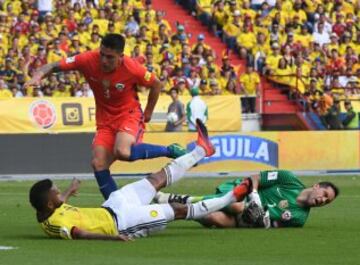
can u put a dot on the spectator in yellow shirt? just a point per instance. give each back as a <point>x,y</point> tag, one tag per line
<point>272,60</point>
<point>249,86</point>
<point>84,35</point>
<point>5,93</point>
<point>245,41</point>
<point>203,88</point>
<point>232,29</point>
<point>219,17</point>
<point>56,54</point>
<point>61,91</point>
<point>94,42</point>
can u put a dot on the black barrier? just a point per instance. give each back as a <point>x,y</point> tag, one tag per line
<point>45,153</point>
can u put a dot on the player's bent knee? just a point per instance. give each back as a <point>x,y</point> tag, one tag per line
<point>99,164</point>
<point>158,180</point>
<point>122,153</point>
<point>180,210</point>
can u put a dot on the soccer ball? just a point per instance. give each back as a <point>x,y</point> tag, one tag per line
<point>172,117</point>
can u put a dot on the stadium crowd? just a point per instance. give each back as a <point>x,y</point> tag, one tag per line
<point>311,46</point>
<point>33,33</point>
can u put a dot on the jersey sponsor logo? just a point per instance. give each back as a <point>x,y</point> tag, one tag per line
<point>119,87</point>
<point>43,114</point>
<point>286,216</point>
<point>242,147</point>
<point>272,175</point>
<point>154,213</point>
<point>283,204</point>
<point>70,60</point>
<point>147,76</point>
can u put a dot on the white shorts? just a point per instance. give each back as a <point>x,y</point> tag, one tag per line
<point>135,217</point>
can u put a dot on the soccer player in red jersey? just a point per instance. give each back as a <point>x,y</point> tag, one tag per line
<point>113,77</point>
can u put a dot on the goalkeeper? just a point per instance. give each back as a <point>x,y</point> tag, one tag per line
<point>278,199</point>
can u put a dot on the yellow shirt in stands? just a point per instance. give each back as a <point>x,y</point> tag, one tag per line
<point>342,49</point>
<point>5,93</point>
<point>249,82</point>
<point>16,6</point>
<point>304,40</point>
<point>138,4</point>
<point>61,94</point>
<point>205,5</point>
<point>84,37</point>
<point>66,217</point>
<point>231,29</point>
<point>93,45</point>
<point>272,61</point>
<point>55,55</point>
<point>220,17</point>
<point>282,76</point>
<point>103,25</point>
<point>246,40</point>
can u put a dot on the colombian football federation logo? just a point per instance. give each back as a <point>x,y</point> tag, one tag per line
<point>43,114</point>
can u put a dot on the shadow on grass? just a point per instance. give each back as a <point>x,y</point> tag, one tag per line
<point>27,237</point>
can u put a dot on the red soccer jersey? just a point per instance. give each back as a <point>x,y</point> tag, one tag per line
<point>115,92</point>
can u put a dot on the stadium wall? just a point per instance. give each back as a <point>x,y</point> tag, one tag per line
<point>235,152</point>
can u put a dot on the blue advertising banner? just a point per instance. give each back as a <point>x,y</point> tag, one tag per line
<point>242,147</point>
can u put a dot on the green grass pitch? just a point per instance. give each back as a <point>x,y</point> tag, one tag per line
<point>331,235</point>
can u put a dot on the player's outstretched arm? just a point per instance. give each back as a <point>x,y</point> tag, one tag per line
<point>152,99</point>
<point>42,72</point>
<point>71,190</point>
<point>78,233</point>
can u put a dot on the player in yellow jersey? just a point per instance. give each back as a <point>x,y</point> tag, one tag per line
<point>127,213</point>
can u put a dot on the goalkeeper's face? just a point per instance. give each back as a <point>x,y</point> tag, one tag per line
<point>320,196</point>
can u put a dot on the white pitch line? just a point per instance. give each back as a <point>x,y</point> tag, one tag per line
<point>7,248</point>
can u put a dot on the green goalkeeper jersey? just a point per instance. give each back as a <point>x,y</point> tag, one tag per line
<point>278,191</point>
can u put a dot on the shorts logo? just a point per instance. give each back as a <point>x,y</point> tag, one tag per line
<point>119,87</point>
<point>147,76</point>
<point>154,213</point>
<point>70,60</point>
<point>283,204</point>
<point>286,216</point>
<point>72,114</point>
<point>43,114</point>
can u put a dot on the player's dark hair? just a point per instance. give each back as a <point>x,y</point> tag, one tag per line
<point>326,184</point>
<point>114,41</point>
<point>39,194</point>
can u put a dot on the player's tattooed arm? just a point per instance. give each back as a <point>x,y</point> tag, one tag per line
<point>42,72</point>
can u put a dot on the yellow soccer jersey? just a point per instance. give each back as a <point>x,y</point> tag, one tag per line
<point>66,217</point>
<point>249,82</point>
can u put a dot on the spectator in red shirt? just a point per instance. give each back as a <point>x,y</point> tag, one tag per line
<point>336,62</point>
<point>114,78</point>
<point>339,26</point>
<point>21,26</point>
